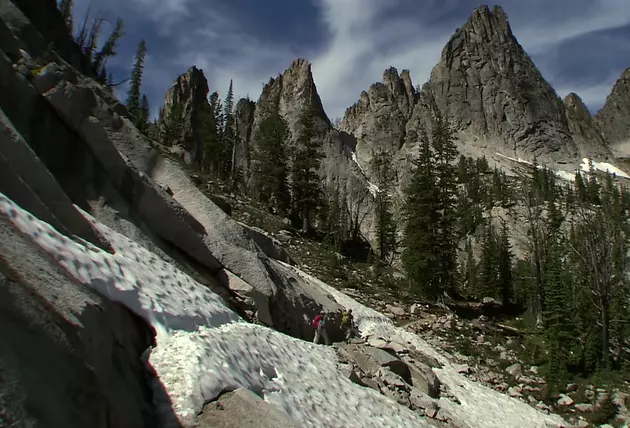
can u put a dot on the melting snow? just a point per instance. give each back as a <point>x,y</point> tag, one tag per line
<point>203,347</point>
<point>570,176</point>
<point>604,167</point>
<point>373,188</point>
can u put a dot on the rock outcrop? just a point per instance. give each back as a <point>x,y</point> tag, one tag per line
<point>489,89</point>
<point>190,93</point>
<point>585,132</point>
<point>614,117</point>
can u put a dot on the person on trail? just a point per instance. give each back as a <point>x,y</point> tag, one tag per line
<point>319,322</point>
<point>347,324</point>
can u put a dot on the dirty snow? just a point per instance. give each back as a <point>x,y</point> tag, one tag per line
<point>481,407</point>
<point>203,347</point>
<point>604,167</point>
<point>373,188</point>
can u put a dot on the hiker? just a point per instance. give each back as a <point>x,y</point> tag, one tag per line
<point>347,324</point>
<point>319,322</point>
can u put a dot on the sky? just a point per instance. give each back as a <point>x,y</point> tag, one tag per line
<point>580,46</point>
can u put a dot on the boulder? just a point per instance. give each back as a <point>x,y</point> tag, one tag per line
<point>270,246</point>
<point>243,409</point>
<point>564,400</point>
<point>370,360</point>
<point>254,300</point>
<point>515,370</point>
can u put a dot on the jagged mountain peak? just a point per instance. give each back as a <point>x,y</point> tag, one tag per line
<point>614,117</point>
<point>574,102</point>
<point>493,21</point>
<point>489,88</point>
<point>292,92</point>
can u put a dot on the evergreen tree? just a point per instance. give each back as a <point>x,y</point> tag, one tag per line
<point>469,273</point>
<point>172,127</point>
<point>108,49</point>
<point>419,256</point>
<point>228,135</point>
<point>580,188</point>
<point>135,82</point>
<point>488,265</point>
<point>270,170</point>
<point>306,196</point>
<point>445,152</point>
<point>209,135</point>
<point>142,122</point>
<point>504,266</point>
<point>386,230</point>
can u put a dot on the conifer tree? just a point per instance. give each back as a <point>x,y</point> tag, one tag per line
<point>488,265</point>
<point>108,49</point>
<point>419,256</point>
<point>229,134</point>
<point>504,266</point>
<point>135,83</point>
<point>211,141</point>
<point>386,230</point>
<point>172,124</point>
<point>305,182</point>
<point>446,153</point>
<point>142,122</point>
<point>270,170</point>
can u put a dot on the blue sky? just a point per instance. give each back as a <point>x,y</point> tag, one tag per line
<point>579,45</point>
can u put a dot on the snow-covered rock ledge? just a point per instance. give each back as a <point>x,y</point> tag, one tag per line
<point>204,348</point>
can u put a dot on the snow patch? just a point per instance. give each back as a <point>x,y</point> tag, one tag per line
<point>373,188</point>
<point>604,167</point>
<point>203,347</point>
<point>481,407</point>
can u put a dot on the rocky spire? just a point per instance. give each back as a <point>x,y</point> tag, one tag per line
<point>614,117</point>
<point>488,86</point>
<point>190,91</point>
<point>291,93</point>
<point>585,133</point>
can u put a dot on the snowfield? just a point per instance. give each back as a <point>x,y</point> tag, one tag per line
<point>570,176</point>
<point>203,347</point>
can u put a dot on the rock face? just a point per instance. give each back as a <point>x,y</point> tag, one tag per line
<point>69,357</point>
<point>68,144</point>
<point>291,94</point>
<point>614,117</point>
<point>244,117</point>
<point>585,132</point>
<point>488,87</point>
<point>190,91</point>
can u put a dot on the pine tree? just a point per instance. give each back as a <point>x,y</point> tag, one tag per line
<point>446,153</point>
<point>270,170</point>
<point>172,124</point>
<point>580,188</point>
<point>142,122</point>
<point>65,6</point>
<point>228,135</point>
<point>504,266</point>
<point>108,49</point>
<point>209,135</point>
<point>469,273</point>
<point>386,230</point>
<point>488,265</point>
<point>305,181</point>
<point>135,82</point>
<point>421,211</point>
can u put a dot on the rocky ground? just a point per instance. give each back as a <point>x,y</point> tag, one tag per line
<point>487,351</point>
